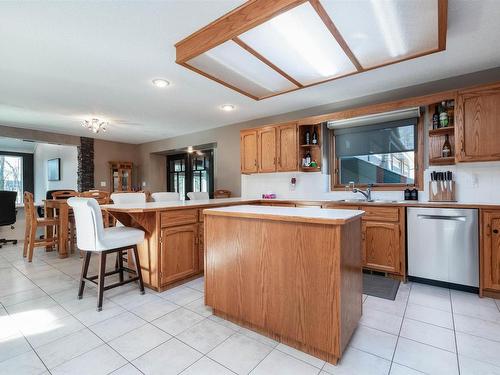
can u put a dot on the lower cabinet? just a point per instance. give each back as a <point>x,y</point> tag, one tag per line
<point>381,246</point>
<point>201,248</point>
<point>179,253</point>
<point>490,250</point>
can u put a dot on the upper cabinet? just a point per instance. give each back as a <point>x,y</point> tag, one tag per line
<point>269,149</point>
<point>266,141</point>
<point>477,121</point>
<point>287,148</point>
<point>248,151</point>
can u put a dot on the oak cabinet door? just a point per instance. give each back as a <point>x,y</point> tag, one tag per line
<point>266,142</point>
<point>201,247</point>
<point>491,250</point>
<point>179,253</point>
<point>477,121</point>
<point>287,148</point>
<point>381,246</point>
<point>248,151</point>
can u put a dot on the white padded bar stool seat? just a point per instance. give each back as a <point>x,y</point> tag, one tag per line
<point>198,196</point>
<point>165,196</point>
<point>120,237</point>
<point>124,198</point>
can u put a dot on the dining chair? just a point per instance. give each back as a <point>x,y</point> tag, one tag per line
<point>165,196</point>
<point>196,196</point>
<point>102,197</point>
<point>33,222</point>
<point>221,193</point>
<point>92,237</point>
<point>65,194</point>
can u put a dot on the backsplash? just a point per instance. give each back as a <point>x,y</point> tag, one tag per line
<point>476,183</point>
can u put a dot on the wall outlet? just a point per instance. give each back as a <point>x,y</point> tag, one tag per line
<point>103,183</point>
<point>143,183</point>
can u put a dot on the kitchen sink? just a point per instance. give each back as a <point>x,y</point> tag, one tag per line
<point>365,201</point>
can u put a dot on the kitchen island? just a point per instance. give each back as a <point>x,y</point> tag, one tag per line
<point>293,274</point>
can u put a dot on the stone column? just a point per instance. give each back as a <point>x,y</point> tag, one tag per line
<point>86,164</point>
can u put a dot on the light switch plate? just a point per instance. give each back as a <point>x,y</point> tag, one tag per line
<point>103,183</point>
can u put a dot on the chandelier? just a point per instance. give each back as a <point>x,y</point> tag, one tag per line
<point>95,125</point>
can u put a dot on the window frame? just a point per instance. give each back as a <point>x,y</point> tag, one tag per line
<point>335,184</point>
<point>28,171</point>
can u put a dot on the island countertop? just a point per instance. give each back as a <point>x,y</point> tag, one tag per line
<point>295,214</point>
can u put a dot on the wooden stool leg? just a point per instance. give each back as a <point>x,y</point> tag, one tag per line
<point>85,270</point>
<point>100,283</point>
<point>72,238</point>
<point>27,232</point>
<point>31,245</point>
<point>119,256</point>
<point>138,268</point>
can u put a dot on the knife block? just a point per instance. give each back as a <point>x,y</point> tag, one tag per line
<point>442,191</point>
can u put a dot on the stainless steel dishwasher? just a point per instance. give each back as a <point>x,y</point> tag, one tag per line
<point>443,245</point>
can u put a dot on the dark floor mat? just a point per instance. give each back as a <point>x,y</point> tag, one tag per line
<point>380,286</point>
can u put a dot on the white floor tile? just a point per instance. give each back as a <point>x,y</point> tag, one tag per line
<point>205,335</point>
<point>388,306</point>
<point>397,369</point>
<point>199,307</point>
<point>437,298</point>
<point>183,296</point>
<point>382,321</point>
<point>139,341</point>
<point>99,361</point>
<point>169,358</point>
<point>153,310</point>
<point>425,358</point>
<point>374,341</point>
<point>25,364</point>
<point>482,311</point>
<point>357,362</point>
<point>177,321</point>
<point>206,366</point>
<point>240,353</point>
<point>469,366</point>
<point>27,295</point>
<point>316,362</point>
<point>429,334</point>
<point>128,369</point>
<point>478,327</point>
<point>478,348</point>
<point>92,316</point>
<point>429,315</point>
<point>39,335</point>
<point>13,346</point>
<point>62,350</point>
<point>258,337</point>
<point>116,326</point>
<point>278,362</point>
<point>224,322</point>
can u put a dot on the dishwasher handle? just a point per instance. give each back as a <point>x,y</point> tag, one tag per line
<point>442,217</point>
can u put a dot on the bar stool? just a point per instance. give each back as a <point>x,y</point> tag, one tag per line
<point>196,196</point>
<point>165,196</point>
<point>32,224</point>
<point>91,236</point>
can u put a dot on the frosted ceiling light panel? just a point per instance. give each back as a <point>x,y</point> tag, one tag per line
<point>232,64</point>
<point>299,43</point>
<point>382,31</point>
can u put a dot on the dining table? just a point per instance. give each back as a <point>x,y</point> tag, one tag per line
<point>62,208</point>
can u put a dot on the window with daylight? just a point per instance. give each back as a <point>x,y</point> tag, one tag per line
<point>382,154</point>
<point>11,175</point>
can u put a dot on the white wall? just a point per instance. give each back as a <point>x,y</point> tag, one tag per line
<point>69,167</point>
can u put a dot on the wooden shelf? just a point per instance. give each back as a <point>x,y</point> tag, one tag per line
<point>311,145</point>
<point>441,131</point>
<point>310,169</point>
<point>442,161</point>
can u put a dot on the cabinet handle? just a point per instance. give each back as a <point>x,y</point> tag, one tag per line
<point>495,231</point>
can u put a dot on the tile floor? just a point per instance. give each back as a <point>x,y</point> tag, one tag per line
<point>44,329</point>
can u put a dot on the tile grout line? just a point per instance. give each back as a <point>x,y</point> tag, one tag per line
<point>400,328</point>
<point>455,334</point>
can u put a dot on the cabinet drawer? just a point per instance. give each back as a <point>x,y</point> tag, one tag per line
<point>179,217</point>
<point>380,213</point>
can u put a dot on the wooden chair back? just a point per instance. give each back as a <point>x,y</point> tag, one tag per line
<point>29,208</point>
<point>64,194</point>
<point>102,197</point>
<point>222,193</point>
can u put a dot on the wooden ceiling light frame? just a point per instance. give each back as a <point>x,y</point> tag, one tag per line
<point>255,12</point>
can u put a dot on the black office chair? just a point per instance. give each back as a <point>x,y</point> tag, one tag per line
<point>7,212</point>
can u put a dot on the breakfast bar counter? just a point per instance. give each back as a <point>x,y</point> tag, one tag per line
<point>293,274</point>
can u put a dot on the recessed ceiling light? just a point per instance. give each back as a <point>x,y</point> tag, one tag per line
<point>161,83</point>
<point>227,107</point>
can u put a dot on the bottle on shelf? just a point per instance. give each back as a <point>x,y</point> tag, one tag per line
<point>446,151</point>
<point>315,137</point>
<point>307,159</point>
<point>308,137</point>
<point>443,115</point>
<point>450,105</point>
<point>435,118</point>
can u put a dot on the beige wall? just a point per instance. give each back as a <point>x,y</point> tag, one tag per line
<point>105,151</point>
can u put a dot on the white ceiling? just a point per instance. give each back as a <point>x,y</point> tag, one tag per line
<point>62,62</point>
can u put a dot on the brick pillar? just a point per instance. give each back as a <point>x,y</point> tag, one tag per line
<point>86,164</point>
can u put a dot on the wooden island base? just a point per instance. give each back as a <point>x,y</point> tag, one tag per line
<point>297,280</point>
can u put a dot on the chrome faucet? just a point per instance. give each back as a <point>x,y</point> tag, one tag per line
<point>367,194</point>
